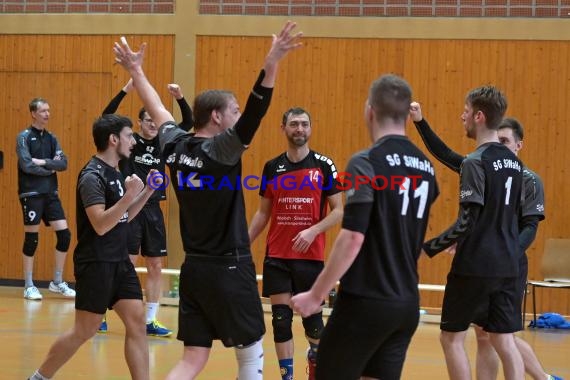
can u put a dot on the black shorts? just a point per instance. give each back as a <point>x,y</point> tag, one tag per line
<point>490,302</point>
<point>289,275</point>
<point>366,337</point>
<point>219,300</point>
<point>46,207</point>
<point>147,232</point>
<point>99,285</point>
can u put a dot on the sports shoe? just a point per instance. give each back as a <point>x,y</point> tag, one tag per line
<point>311,365</point>
<point>32,293</point>
<point>154,328</point>
<point>62,288</point>
<point>552,377</point>
<point>103,326</point>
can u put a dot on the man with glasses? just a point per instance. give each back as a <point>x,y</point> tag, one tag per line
<point>147,232</point>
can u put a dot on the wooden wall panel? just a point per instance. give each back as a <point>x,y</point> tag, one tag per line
<point>330,77</point>
<point>78,77</point>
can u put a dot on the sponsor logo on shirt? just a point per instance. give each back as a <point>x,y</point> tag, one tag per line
<point>147,159</point>
<point>465,193</point>
<point>193,162</point>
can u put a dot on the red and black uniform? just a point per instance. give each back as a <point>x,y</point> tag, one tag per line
<point>299,192</point>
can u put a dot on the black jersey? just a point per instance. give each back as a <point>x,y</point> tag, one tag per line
<point>402,189</point>
<point>144,157</point>
<point>492,177</point>
<point>533,202</point>
<point>298,193</point>
<point>206,177</point>
<point>99,183</point>
<point>34,179</point>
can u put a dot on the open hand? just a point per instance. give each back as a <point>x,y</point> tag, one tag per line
<point>284,42</point>
<point>303,240</point>
<point>126,57</point>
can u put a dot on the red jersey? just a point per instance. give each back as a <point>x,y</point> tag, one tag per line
<point>298,192</point>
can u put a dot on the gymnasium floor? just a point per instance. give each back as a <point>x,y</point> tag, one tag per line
<point>29,328</point>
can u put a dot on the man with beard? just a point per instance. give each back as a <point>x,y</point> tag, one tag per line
<point>105,277</point>
<point>219,299</point>
<point>147,232</point>
<point>511,135</point>
<point>482,285</point>
<point>375,253</point>
<point>296,188</point>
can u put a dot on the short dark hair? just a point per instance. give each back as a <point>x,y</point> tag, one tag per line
<point>142,111</point>
<point>294,111</point>
<point>514,125</point>
<point>489,100</point>
<point>107,125</point>
<point>390,97</point>
<point>208,101</point>
<point>35,103</point>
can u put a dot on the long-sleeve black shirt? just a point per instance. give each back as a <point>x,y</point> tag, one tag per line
<point>187,119</point>
<point>533,205</point>
<point>34,179</point>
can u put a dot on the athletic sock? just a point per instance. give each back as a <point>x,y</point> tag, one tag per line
<point>57,277</point>
<point>151,311</point>
<point>313,348</point>
<point>38,376</point>
<point>28,279</point>
<point>286,368</point>
<point>250,361</point>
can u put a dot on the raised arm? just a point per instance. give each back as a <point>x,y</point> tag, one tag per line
<point>435,145</point>
<point>132,62</point>
<point>259,98</point>
<point>187,122</point>
<point>116,101</point>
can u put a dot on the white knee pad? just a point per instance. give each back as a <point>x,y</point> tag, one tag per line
<point>250,361</point>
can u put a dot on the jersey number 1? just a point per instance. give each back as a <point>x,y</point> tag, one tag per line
<point>420,191</point>
<point>508,185</point>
